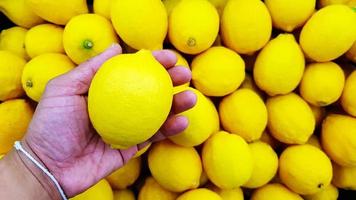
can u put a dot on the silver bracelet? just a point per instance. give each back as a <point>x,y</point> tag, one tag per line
<point>19,147</point>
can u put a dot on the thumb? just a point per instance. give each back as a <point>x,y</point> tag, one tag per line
<point>77,81</point>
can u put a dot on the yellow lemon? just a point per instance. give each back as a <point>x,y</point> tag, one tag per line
<point>319,114</point>
<point>219,5</point>
<point>349,95</point>
<point>329,33</point>
<point>101,190</point>
<point>244,113</point>
<point>124,195</point>
<point>246,26</point>
<point>288,15</point>
<point>274,191</point>
<point>175,168</point>
<point>218,71</point>
<point>351,53</point>
<point>15,116</point>
<point>126,175</point>
<point>290,119</point>
<point>322,83</point>
<point>344,177</point>
<point>265,164</point>
<point>193,26</point>
<point>227,160</point>
<point>323,3</point>
<point>314,140</point>
<point>279,66</point>
<point>128,90</point>
<point>203,121</point>
<point>40,70</point>
<point>338,138</point>
<point>82,40</point>
<point>36,44</point>
<point>201,193</point>
<point>169,5</point>
<point>145,25</point>
<point>305,169</point>
<point>329,193</point>
<point>20,13</point>
<point>103,8</point>
<point>11,69</point>
<point>58,12</point>
<point>13,39</point>
<point>229,194</point>
<point>151,190</point>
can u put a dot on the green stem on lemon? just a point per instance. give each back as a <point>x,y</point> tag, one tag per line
<point>354,9</point>
<point>88,44</point>
<point>29,84</point>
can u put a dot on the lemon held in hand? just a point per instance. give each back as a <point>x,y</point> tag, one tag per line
<point>129,99</point>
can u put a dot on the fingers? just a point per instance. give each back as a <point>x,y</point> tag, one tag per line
<point>180,75</point>
<point>183,101</point>
<point>78,80</point>
<point>173,125</point>
<point>166,57</point>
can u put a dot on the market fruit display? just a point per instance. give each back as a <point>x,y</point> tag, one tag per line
<point>274,81</point>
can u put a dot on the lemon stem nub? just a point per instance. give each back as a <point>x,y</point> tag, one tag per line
<point>88,44</point>
<point>354,9</point>
<point>29,83</point>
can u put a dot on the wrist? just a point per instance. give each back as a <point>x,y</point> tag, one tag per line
<point>24,179</point>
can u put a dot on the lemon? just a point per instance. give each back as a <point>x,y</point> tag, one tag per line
<point>249,83</point>
<point>219,5</point>
<point>151,190</point>
<point>13,39</point>
<point>265,164</point>
<point>324,3</point>
<point>128,90</point>
<point>338,139</point>
<point>15,116</point>
<point>246,26</point>
<point>203,122</point>
<point>175,168</point>
<point>344,177</point>
<point>322,83</point>
<point>40,70</point>
<point>82,40</point>
<point>182,62</point>
<point>101,190</point>
<point>329,193</point>
<point>218,71</point>
<point>124,195</point>
<point>351,53</point>
<point>314,140</point>
<point>279,66</point>
<point>58,12</point>
<point>145,25</point>
<point>274,191</point>
<point>329,33</point>
<point>288,15</point>
<point>201,193</point>
<point>103,8</point>
<point>290,119</point>
<point>193,26</point>
<point>36,44</point>
<point>169,5</point>
<point>305,169</point>
<point>319,114</point>
<point>244,113</point>
<point>349,95</point>
<point>126,175</point>
<point>229,194</point>
<point>227,160</point>
<point>11,68</point>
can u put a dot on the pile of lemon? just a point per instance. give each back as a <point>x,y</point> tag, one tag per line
<point>275,82</point>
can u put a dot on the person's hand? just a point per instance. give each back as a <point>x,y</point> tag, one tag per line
<point>63,138</point>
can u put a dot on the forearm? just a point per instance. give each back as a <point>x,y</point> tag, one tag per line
<point>20,179</point>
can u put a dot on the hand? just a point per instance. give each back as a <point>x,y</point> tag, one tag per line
<point>63,138</point>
